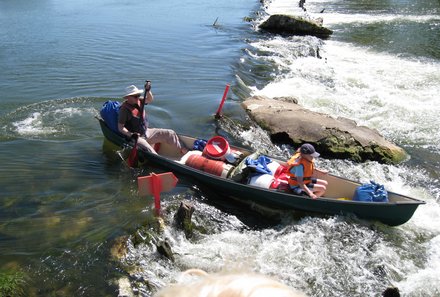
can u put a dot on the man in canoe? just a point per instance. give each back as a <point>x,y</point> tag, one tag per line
<point>301,169</point>
<point>133,121</point>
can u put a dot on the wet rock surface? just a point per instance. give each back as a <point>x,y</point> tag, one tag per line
<point>182,218</point>
<point>339,138</point>
<point>295,25</point>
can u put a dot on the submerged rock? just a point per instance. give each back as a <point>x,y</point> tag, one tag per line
<point>164,248</point>
<point>339,138</point>
<point>119,248</point>
<point>183,218</point>
<point>125,289</point>
<point>391,292</point>
<point>287,24</point>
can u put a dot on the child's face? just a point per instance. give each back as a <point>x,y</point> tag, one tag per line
<point>308,157</point>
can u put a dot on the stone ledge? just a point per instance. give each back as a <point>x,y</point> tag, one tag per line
<point>339,138</point>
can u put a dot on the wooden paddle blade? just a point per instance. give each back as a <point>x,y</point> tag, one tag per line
<point>163,182</point>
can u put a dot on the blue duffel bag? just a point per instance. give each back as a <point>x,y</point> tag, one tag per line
<point>372,192</point>
<point>109,113</point>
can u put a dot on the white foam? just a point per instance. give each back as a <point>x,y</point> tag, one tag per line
<point>68,112</point>
<point>46,121</point>
<point>32,125</point>
<point>425,281</point>
<point>368,87</point>
<point>284,7</point>
<point>338,18</point>
<point>314,7</point>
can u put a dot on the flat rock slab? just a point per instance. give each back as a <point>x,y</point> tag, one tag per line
<point>339,138</point>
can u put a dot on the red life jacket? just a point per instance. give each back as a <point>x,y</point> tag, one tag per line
<point>136,123</point>
<point>308,166</point>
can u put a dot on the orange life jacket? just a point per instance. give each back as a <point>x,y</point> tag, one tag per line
<point>308,166</point>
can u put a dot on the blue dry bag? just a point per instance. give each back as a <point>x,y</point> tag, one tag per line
<point>259,165</point>
<point>372,192</point>
<point>109,113</point>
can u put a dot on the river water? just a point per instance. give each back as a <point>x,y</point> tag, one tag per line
<point>65,195</point>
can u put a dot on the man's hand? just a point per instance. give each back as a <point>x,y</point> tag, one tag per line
<point>147,86</point>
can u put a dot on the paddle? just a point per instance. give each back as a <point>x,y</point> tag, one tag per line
<point>147,88</point>
<point>133,157</point>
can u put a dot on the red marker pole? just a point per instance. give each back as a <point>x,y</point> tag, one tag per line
<point>156,187</point>
<point>219,110</point>
<point>154,184</point>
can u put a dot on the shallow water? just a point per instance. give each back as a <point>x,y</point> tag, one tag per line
<point>66,195</point>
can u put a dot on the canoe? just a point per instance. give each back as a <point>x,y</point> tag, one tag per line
<point>337,201</point>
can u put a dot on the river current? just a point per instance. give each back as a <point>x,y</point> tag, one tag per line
<point>65,195</point>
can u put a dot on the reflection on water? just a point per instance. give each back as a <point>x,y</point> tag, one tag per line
<point>67,214</point>
<point>68,198</point>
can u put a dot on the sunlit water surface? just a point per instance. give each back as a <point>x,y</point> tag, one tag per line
<point>66,195</point>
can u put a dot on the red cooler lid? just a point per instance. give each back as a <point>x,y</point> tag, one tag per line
<point>216,147</point>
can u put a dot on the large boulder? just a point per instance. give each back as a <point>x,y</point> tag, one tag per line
<point>294,25</point>
<point>341,138</point>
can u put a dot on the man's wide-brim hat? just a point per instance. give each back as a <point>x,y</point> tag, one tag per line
<point>132,90</point>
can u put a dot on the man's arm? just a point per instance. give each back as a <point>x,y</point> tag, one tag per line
<point>122,119</point>
<point>124,131</point>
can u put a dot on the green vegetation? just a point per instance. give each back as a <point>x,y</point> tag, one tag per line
<point>11,284</point>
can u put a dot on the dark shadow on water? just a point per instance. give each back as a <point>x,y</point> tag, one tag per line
<point>246,213</point>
